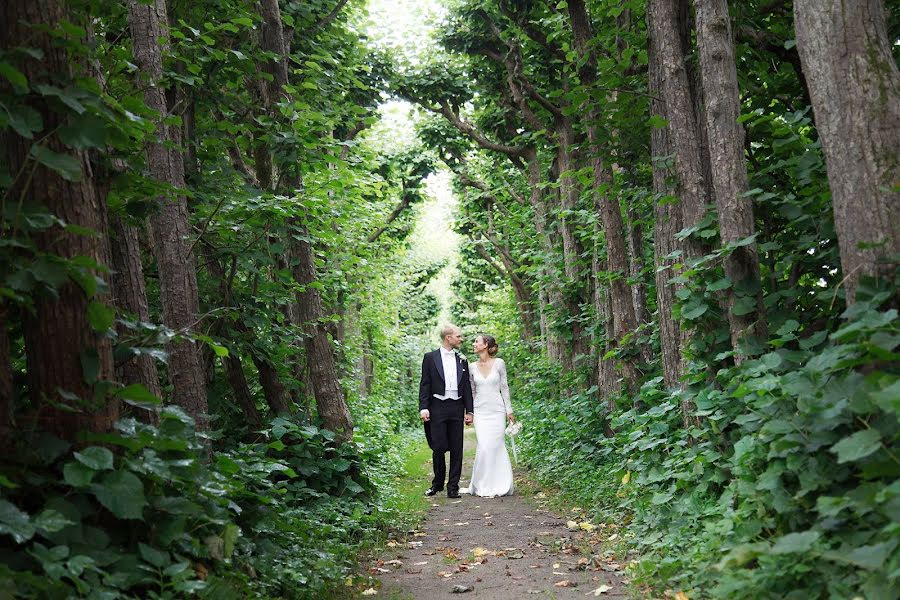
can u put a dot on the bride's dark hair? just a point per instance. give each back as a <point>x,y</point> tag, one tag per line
<point>491,343</point>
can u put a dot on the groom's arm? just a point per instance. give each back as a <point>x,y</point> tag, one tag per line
<point>425,386</point>
<point>467,394</point>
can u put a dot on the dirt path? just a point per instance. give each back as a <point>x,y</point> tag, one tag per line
<point>497,548</point>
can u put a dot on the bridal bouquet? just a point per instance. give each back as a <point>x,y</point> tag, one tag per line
<point>512,430</point>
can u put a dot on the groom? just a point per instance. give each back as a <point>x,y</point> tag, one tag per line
<point>445,403</point>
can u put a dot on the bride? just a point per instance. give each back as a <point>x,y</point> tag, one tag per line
<point>492,473</point>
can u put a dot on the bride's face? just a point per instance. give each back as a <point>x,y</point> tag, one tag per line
<point>478,345</point>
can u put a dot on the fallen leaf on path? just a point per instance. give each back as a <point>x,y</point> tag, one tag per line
<point>445,574</point>
<point>555,565</point>
<point>600,590</point>
<point>565,583</point>
<point>419,564</point>
<point>461,589</point>
<point>370,592</point>
<point>392,544</point>
<point>394,563</point>
<point>514,553</point>
<point>681,596</point>
<point>587,526</point>
<point>461,524</point>
<point>612,537</point>
<point>559,573</point>
<point>479,552</point>
<point>573,525</point>
<point>540,495</point>
<point>533,592</point>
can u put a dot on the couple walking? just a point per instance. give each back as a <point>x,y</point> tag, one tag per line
<point>453,392</point>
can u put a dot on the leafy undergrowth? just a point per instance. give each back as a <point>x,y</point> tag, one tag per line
<point>786,488</point>
<point>143,513</point>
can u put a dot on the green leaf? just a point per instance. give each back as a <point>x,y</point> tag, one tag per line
<point>721,284</point>
<point>889,398</point>
<point>15,522</point>
<point>100,316</point>
<point>657,122</point>
<point>789,326</point>
<point>694,312</point>
<point>77,475</point>
<point>794,542</point>
<point>86,131</point>
<point>122,493</point>
<point>51,521</point>
<point>96,457</point>
<point>90,365</point>
<point>857,446</point>
<point>14,76</point>
<point>65,165</point>
<point>25,121</point>
<point>744,305</point>
<point>157,558</point>
<point>137,393</point>
<point>870,557</point>
<point>230,536</point>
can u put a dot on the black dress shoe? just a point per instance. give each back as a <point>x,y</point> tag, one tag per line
<point>431,492</point>
<point>453,495</point>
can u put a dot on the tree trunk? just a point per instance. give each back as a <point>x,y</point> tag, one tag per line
<point>330,401</point>
<point>169,226</point>
<point>855,89</point>
<point>636,252</point>
<point>667,214</point>
<point>729,173</point>
<point>234,372</point>
<point>622,306</point>
<point>131,298</point>
<point>63,352</point>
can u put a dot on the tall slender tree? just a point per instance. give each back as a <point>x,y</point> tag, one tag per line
<point>746,312</point>
<point>170,225</point>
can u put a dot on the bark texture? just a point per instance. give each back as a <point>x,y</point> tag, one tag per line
<point>234,372</point>
<point>170,226</point>
<point>330,401</point>
<point>729,171</point>
<point>854,85</point>
<point>130,297</point>
<point>63,352</point>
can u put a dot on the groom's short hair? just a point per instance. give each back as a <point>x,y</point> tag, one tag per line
<point>447,330</point>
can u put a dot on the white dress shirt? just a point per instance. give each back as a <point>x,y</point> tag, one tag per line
<point>451,389</point>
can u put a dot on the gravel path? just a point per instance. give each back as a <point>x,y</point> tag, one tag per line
<point>498,548</point>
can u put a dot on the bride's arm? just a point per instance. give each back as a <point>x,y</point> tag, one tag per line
<point>504,387</point>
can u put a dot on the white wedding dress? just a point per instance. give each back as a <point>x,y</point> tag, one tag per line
<point>492,472</point>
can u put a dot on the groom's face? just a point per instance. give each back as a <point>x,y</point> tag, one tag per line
<point>454,340</point>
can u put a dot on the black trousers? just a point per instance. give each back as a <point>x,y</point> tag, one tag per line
<point>445,432</point>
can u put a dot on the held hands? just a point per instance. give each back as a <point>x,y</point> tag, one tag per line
<point>425,415</point>
<point>510,418</point>
<point>469,418</point>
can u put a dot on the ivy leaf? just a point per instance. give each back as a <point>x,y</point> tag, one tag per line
<point>859,445</point>
<point>96,457</point>
<point>870,557</point>
<point>25,121</point>
<point>137,393</point>
<point>90,365</point>
<point>15,522</point>
<point>14,76</point>
<point>66,166</point>
<point>694,312</point>
<point>794,542</point>
<point>155,557</point>
<point>51,521</point>
<point>87,131</point>
<point>77,475</point>
<point>122,493</point>
<point>100,316</point>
